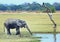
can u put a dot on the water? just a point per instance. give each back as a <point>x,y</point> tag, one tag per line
<point>48,37</point>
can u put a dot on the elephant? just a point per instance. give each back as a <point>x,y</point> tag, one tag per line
<point>17,24</point>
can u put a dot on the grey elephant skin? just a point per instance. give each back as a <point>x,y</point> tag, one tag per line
<point>16,23</point>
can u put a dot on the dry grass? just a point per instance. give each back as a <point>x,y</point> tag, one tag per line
<point>38,22</point>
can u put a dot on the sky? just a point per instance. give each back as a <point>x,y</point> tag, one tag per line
<point>17,2</point>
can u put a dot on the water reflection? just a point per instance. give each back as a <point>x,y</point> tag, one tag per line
<point>48,37</point>
<point>54,34</point>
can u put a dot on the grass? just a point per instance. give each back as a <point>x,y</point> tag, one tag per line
<point>37,23</point>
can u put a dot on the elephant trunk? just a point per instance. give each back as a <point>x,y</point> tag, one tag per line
<point>28,29</point>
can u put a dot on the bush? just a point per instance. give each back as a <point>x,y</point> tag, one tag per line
<point>53,9</point>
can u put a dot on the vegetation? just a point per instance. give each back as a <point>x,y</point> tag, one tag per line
<point>37,22</point>
<point>34,21</point>
<point>25,7</point>
<point>57,6</point>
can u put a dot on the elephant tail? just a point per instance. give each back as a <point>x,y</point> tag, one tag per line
<point>4,28</point>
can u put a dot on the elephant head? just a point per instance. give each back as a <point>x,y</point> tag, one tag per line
<point>24,24</point>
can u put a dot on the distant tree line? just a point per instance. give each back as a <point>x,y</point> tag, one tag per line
<point>57,6</point>
<point>28,7</point>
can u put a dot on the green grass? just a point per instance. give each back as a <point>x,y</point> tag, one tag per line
<point>37,23</point>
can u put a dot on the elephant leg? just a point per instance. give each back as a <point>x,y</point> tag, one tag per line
<point>17,31</point>
<point>8,32</point>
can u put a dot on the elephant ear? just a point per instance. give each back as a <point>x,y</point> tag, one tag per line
<point>18,23</point>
